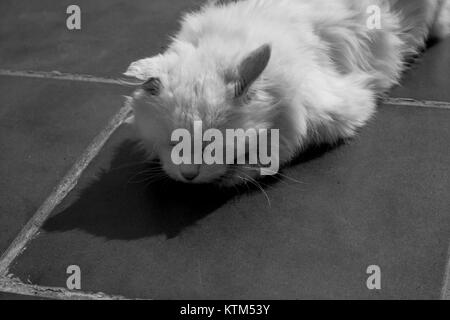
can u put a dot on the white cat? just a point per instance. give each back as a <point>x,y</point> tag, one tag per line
<point>311,68</point>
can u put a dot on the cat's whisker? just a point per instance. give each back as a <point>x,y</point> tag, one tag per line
<point>289,178</point>
<point>259,182</point>
<point>148,173</point>
<point>275,173</point>
<point>160,178</point>
<point>256,183</point>
<point>144,173</point>
<point>244,182</point>
<point>150,177</point>
<point>134,164</point>
<point>142,180</point>
<point>285,183</point>
<point>253,182</point>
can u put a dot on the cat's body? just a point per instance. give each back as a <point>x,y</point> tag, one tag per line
<point>311,68</point>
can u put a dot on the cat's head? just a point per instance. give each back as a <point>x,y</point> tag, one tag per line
<point>187,86</point>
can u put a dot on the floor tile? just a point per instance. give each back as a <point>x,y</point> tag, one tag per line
<point>429,78</point>
<point>113,33</point>
<point>380,199</point>
<point>44,127</point>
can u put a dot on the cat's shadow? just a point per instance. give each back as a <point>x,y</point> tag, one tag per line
<point>124,203</point>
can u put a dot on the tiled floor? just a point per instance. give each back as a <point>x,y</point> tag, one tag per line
<point>381,199</point>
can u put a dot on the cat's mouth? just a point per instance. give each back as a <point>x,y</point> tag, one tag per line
<point>230,176</point>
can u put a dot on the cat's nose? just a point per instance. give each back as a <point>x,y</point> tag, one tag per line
<point>190,172</point>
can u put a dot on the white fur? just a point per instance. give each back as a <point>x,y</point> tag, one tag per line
<point>322,82</point>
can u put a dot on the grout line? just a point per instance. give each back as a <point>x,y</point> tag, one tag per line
<point>445,292</point>
<point>64,187</point>
<point>15,286</point>
<point>89,78</point>
<point>416,103</point>
<point>68,76</point>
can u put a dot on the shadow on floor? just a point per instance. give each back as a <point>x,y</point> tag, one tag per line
<point>125,203</point>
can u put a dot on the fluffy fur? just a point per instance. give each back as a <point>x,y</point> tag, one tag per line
<point>325,73</point>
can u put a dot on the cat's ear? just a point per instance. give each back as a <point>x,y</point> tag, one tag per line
<point>144,69</point>
<point>147,71</point>
<point>152,86</point>
<point>251,68</point>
